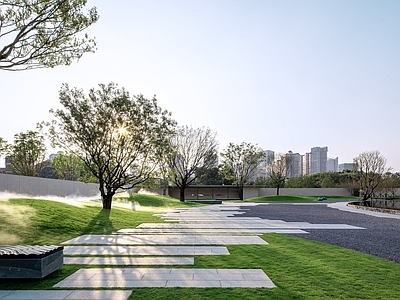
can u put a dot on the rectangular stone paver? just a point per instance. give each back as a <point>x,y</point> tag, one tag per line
<point>126,261</point>
<point>225,231</point>
<point>165,277</point>
<point>114,239</point>
<point>66,295</point>
<point>258,224</point>
<point>145,250</point>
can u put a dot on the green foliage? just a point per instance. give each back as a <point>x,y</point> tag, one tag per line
<point>239,161</point>
<point>371,167</point>
<point>265,182</point>
<point>388,186</point>
<point>70,167</point>
<point>43,33</point>
<point>27,153</point>
<point>322,180</point>
<point>119,138</point>
<point>3,146</point>
<point>209,176</point>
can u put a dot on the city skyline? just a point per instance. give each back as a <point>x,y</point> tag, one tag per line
<point>280,74</point>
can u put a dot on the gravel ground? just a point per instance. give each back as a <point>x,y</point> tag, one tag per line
<point>380,238</point>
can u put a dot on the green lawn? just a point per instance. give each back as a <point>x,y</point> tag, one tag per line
<point>301,269</point>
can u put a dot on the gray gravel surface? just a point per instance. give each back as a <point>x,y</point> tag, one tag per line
<point>381,236</point>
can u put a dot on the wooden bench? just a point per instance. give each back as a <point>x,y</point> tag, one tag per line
<point>30,261</point>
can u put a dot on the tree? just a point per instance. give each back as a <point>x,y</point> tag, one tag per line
<point>3,146</point>
<point>118,137</point>
<point>192,148</point>
<point>388,186</point>
<point>43,33</point>
<point>371,166</point>
<point>209,176</point>
<point>278,170</point>
<point>239,161</point>
<point>27,154</point>
<point>70,167</point>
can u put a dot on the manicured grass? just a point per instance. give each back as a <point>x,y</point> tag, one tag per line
<point>39,222</point>
<point>295,198</point>
<point>301,269</point>
<point>154,203</point>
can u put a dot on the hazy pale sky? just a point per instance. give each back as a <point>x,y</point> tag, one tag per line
<point>287,75</point>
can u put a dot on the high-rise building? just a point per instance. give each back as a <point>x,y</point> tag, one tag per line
<point>332,165</point>
<point>306,162</point>
<point>261,170</point>
<point>294,164</point>
<point>319,157</point>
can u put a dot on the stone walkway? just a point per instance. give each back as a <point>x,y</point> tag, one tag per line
<point>186,233</point>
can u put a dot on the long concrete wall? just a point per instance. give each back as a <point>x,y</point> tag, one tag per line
<point>306,191</point>
<point>35,186</point>
<point>252,192</point>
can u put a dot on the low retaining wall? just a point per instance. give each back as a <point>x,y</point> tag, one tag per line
<point>371,208</point>
<point>36,186</point>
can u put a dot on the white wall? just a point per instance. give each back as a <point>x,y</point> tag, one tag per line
<point>35,186</point>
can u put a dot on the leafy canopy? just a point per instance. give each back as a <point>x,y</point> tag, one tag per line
<point>43,33</point>
<point>119,138</point>
<point>27,153</point>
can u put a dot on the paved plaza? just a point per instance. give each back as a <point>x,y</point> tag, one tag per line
<point>186,233</point>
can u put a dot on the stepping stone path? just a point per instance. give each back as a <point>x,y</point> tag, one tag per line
<point>187,232</point>
<point>166,246</point>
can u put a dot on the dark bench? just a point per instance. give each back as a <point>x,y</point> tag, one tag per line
<point>30,261</point>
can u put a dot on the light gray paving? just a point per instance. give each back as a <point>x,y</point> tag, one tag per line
<point>113,239</point>
<point>343,206</point>
<point>261,224</point>
<point>165,277</point>
<point>237,231</point>
<point>65,295</point>
<point>126,261</point>
<point>116,250</point>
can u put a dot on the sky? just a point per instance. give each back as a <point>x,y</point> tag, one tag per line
<point>286,75</point>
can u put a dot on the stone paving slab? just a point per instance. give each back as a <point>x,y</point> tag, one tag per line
<point>126,261</point>
<point>165,277</point>
<point>145,250</point>
<point>114,239</point>
<point>225,231</point>
<point>262,224</point>
<point>65,295</point>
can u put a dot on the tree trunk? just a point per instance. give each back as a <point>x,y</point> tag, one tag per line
<point>277,190</point>
<point>182,194</point>
<point>107,200</point>
<point>241,193</point>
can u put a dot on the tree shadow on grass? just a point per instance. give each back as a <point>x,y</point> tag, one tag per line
<point>100,224</point>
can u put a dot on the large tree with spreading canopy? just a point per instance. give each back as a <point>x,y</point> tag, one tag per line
<point>43,33</point>
<point>191,149</point>
<point>120,138</point>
